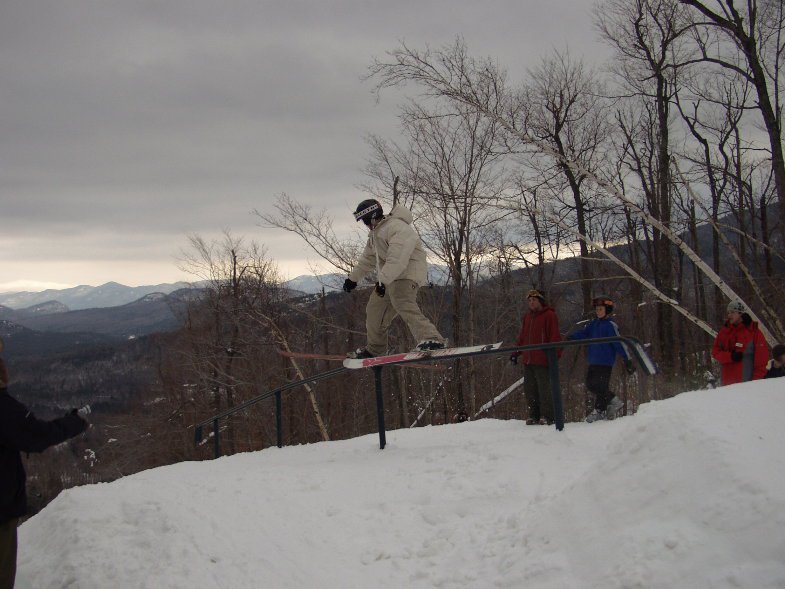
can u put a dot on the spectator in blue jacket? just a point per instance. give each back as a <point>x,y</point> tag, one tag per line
<point>601,359</point>
<point>21,431</point>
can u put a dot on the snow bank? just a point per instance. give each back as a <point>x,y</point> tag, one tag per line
<point>690,492</point>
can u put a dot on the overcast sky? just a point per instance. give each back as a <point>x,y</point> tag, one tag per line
<point>126,125</point>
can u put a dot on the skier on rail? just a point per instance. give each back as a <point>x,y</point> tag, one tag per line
<point>395,251</point>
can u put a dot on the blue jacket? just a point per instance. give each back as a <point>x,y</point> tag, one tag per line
<point>602,354</point>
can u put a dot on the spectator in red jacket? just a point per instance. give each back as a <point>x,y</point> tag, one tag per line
<point>740,347</point>
<point>540,326</point>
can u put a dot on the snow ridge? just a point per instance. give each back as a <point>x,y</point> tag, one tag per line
<point>690,492</point>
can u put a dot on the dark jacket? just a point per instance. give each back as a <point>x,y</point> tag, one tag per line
<point>775,372</point>
<point>746,338</point>
<point>601,354</point>
<point>21,431</point>
<point>538,328</point>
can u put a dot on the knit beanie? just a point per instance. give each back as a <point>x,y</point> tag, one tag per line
<point>736,307</point>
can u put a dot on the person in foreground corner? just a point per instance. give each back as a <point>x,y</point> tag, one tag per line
<point>540,325</point>
<point>601,358</point>
<point>740,347</point>
<point>395,251</point>
<point>21,431</point>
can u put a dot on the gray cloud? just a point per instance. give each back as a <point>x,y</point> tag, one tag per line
<point>124,126</point>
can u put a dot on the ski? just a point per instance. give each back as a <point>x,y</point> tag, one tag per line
<point>341,358</point>
<point>499,398</point>
<point>354,363</point>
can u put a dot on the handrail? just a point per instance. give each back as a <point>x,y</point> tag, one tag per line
<point>633,345</point>
<point>198,428</point>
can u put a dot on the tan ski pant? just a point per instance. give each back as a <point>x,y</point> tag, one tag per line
<point>400,299</point>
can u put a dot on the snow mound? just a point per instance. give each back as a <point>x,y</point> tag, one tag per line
<point>690,492</point>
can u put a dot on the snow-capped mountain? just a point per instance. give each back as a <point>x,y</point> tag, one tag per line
<point>110,294</point>
<point>113,294</point>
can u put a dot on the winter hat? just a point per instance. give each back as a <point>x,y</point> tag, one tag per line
<point>536,294</point>
<point>602,300</point>
<point>777,352</point>
<point>736,307</point>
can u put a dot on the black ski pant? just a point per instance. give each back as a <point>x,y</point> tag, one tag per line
<point>537,390</point>
<point>7,554</point>
<point>598,379</point>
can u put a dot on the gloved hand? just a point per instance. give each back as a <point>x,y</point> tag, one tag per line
<point>514,358</point>
<point>80,423</point>
<point>629,366</point>
<point>380,289</point>
<point>736,356</point>
<point>349,285</point>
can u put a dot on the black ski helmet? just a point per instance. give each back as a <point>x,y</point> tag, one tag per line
<point>602,300</point>
<point>367,210</point>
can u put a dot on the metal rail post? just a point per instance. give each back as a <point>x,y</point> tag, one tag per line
<point>278,420</point>
<point>216,438</point>
<point>377,375</point>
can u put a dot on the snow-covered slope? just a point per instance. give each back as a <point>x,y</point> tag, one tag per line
<point>690,492</point>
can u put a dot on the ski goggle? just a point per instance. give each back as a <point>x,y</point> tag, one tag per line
<point>598,302</point>
<point>365,214</point>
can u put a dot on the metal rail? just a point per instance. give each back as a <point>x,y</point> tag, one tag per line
<point>633,346</point>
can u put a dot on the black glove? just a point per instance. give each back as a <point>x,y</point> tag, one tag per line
<point>514,358</point>
<point>349,285</point>
<point>380,289</point>
<point>629,366</point>
<point>736,356</point>
<point>76,422</point>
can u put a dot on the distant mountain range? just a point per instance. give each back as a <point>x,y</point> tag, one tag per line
<point>113,294</point>
<point>110,294</point>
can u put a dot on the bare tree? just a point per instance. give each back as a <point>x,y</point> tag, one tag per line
<point>751,35</point>
<point>647,38</point>
<point>451,73</point>
<point>236,321</point>
<point>563,108</point>
<point>451,178</point>
<point>315,227</point>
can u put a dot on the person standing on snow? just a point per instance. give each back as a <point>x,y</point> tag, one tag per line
<point>740,347</point>
<point>777,365</point>
<point>601,358</point>
<point>540,325</point>
<point>395,252</point>
<point>21,431</point>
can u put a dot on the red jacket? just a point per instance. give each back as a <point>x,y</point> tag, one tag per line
<point>737,338</point>
<point>538,328</point>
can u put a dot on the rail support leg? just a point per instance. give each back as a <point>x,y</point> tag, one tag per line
<point>377,376</point>
<point>553,373</point>
<point>216,438</point>
<point>278,420</point>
